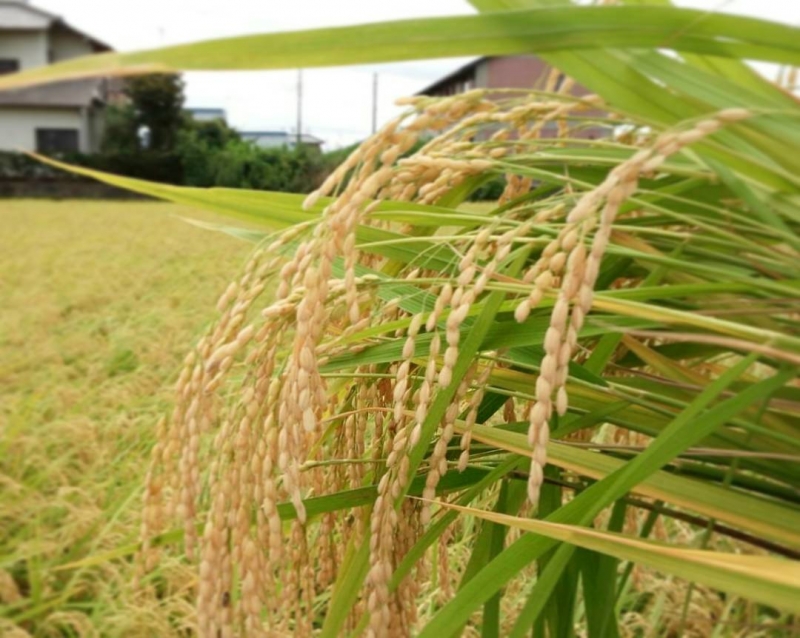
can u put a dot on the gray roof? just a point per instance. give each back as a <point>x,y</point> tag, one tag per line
<point>15,14</point>
<point>464,68</point>
<point>19,15</point>
<point>205,110</point>
<point>305,138</point>
<point>77,93</point>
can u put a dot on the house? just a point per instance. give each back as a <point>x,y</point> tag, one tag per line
<point>511,72</point>
<point>62,117</point>
<point>278,139</point>
<point>497,72</point>
<point>207,114</point>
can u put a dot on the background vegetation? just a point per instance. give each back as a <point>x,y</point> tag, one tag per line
<point>99,300</point>
<point>177,149</point>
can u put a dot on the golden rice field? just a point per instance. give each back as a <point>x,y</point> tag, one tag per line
<point>99,302</point>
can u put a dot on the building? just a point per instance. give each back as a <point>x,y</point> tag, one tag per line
<point>499,72</point>
<point>62,117</point>
<point>511,72</point>
<point>207,114</point>
<point>278,139</point>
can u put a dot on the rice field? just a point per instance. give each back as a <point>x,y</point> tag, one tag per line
<point>99,303</point>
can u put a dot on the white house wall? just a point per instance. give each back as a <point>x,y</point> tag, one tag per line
<point>29,47</point>
<point>18,126</point>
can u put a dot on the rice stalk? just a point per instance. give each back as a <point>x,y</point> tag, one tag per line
<point>257,423</point>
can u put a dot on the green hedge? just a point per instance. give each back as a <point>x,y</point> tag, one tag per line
<point>196,162</point>
<point>154,166</point>
<point>243,165</point>
<point>237,165</point>
<point>16,166</point>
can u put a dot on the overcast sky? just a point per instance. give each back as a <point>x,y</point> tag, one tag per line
<point>337,101</point>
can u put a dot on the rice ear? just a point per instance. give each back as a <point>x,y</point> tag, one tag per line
<point>281,433</point>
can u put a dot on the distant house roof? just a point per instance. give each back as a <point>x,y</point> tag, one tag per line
<point>278,138</point>
<point>207,113</point>
<point>19,15</point>
<point>469,66</point>
<point>76,93</point>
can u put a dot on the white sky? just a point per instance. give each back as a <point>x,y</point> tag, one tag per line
<point>337,103</point>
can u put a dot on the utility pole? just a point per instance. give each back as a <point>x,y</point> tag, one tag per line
<point>374,103</point>
<point>299,106</point>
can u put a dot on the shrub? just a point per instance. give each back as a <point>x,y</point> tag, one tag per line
<point>17,166</point>
<point>120,134</point>
<point>156,166</point>
<point>240,164</point>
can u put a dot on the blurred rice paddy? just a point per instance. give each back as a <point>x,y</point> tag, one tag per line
<point>98,304</point>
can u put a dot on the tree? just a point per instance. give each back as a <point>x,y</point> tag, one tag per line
<point>157,102</point>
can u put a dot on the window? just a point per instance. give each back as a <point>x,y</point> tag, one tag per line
<point>7,65</point>
<point>56,140</point>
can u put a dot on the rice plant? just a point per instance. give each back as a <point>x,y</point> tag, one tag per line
<point>417,416</point>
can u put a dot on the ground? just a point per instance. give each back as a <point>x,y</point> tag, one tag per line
<point>100,302</point>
